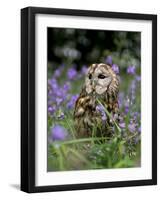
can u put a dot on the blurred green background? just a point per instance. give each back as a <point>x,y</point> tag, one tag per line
<point>92,46</point>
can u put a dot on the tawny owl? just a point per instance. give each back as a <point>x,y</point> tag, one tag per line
<point>101,85</point>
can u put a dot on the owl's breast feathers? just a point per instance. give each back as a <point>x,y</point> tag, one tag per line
<point>87,117</point>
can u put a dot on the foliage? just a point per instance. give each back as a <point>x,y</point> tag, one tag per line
<point>65,150</point>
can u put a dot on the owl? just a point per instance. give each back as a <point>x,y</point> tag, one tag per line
<point>98,97</point>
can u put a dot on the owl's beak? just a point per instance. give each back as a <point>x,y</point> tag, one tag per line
<point>93,84</point>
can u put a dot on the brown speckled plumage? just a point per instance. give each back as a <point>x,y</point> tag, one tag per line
<point>101,83</point>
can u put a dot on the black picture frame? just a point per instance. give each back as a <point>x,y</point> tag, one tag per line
<point>28,98</point>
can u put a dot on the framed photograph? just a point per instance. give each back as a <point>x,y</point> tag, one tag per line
<point>88,99</point>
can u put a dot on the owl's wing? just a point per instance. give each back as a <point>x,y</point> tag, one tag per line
<point>81,103</point>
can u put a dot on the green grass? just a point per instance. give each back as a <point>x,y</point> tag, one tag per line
<point>93,152</point>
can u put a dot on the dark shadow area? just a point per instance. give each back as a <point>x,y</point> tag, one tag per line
<point>79,46</point>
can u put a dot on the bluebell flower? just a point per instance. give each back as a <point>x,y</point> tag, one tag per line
<point>108,60</point>
<point>53,83</point>
<point>58,133</point>
<point>72,101</point>
<point>138,78</point>
<point>122,125</point>
<point>139,129</point>
<point>132,90</point>
<point>84,69</point>
<point>51,109</point>
<point>58,101</point>
<point>66,86</point>
<point>135,115</point>
<point>115,68</point>
<point>133,85</point>
<point>71,73</point>
<point>127,105</point>
<point>120,99</point>
<point>104,117</point>
<point>132,127</point>
<point>131,70</point>
<point>101,110</point>
<point>57,73</point>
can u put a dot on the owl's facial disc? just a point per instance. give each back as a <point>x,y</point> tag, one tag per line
<point>97,84</point>
<point>98,79</point>
<point>103,84</point>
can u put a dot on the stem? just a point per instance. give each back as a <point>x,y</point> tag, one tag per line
<point>79,156</point>
<point>83,140</point>
<point>109,116</point>
<point>128,138</point>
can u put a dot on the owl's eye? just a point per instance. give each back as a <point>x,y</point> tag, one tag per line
<point>90,76</point>
<point>101,76</point>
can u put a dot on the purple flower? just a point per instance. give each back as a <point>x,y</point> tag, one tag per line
<point>108,60</point>
<point>100,109</point>
<point>66,86</point>
<point>115,68</point>
<point>58,133</point>
<point>52,81</point>
<point>51,109</point>
<point>84,69</point>
<point>126,110</point>
<point>138,78</point>
<point>131,70</point>
<point>127,102</point>
<point>132,90</point>
<point>53,84</point>
<point>122,125</point>
<point>57,73</point>
<point>133,85</point>
<point>57,94</point>
<point>58,101</point>
<point>132,127</point>
<point>135,115</point>
<point>104,117</point>
<point>72,73</point>
<point>120,99</point>
<point>72,101</point>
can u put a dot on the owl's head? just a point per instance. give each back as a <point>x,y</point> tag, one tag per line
<point>101,79</point>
